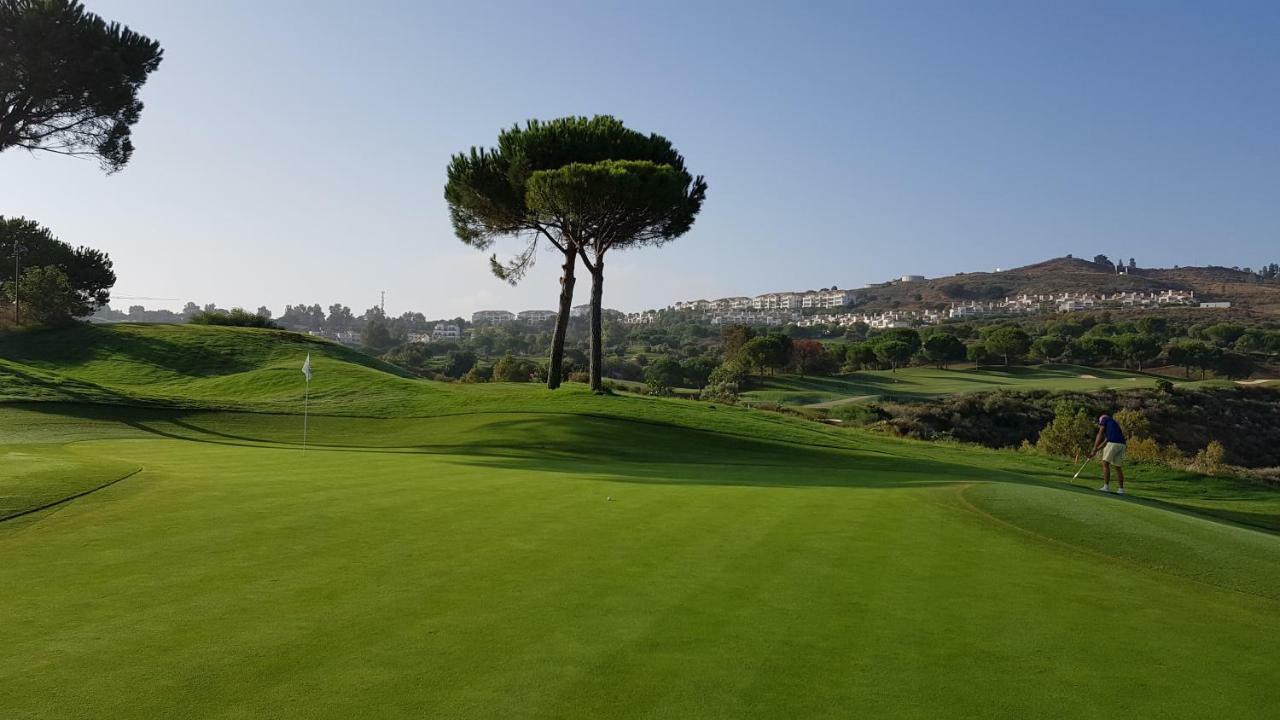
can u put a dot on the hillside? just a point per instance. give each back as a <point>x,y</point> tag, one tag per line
<point>1242,289</point>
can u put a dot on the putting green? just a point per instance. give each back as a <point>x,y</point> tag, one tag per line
<point>927,382</point>
<point>481,572</point>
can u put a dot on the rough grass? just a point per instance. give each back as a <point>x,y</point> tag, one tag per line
<point>464,561</point>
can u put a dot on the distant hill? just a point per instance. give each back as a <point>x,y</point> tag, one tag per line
<point>1244,290</point>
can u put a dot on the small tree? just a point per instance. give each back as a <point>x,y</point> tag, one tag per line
<point>1049,347</point>
<point>1007,341</point>
<point>69,81</point>
<point>943,348</point>
<point>1137,348</point>
<point>88,271</point>
<point>663,375</point>
<point>808,356</point>
<point>47,295</point>
<point>1070,433</point>
<point>859,356</point>
<point>894,352</point>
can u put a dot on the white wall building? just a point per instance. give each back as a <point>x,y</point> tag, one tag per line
<point>492,316</point>
<point>446,331</point>
<point>579,311</point>
<point>536,317</point>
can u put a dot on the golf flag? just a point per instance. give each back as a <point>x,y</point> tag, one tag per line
<point>306,367</point>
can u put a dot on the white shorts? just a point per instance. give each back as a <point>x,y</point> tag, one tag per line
<point>1113,453</point>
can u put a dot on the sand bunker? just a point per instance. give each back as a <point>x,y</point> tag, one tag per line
<point>1253,382</point>
<point>1089,377</point>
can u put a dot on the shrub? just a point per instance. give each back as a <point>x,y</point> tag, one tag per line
<point>1069,435</point>
<point>476,374</point>
<point>1164,386</point>
<point>237,317</point>
<point>1209,460</point>
<point>1134,424</point>
<point>580,377</point>
<point>725,392</point>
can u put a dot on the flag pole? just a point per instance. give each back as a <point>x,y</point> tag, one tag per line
<point>306,402</point>
<point>306,399</point>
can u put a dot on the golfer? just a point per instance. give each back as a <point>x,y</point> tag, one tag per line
<point>1109,432</point>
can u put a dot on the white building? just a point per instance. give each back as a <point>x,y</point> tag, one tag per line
<point>536,317</point>
<point>1215,304</point>
<point>579,311</point>
<point>446,331</point>
<point>911,278</point>
<point>640,318</point>
<point>492,316</point>
<point>419,337</point>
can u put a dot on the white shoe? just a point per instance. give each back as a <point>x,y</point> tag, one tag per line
<point>1105,488</point>
<point>1120,491</point>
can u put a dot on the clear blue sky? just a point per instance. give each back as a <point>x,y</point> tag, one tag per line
<point>295,151</point>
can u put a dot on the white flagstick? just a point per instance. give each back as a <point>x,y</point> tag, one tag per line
<point>306,400</point>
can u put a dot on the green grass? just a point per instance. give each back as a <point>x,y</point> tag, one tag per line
<point>449,551</point>
<point>928,382</point>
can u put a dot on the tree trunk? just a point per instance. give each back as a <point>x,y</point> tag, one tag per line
<point>597,325</point>
<point>556,365</point>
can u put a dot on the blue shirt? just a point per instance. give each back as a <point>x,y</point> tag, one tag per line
<point>1111,429</point>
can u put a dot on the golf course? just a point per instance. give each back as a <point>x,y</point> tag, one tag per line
<point>501,550</point>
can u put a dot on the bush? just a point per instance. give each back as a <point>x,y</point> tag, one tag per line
<point>237,317</point>
<point>1069,435</point>
<point>46,296</point>
<point>1147,450</point>
<point>1209,460</point>
<point>725,392</point>
<point>1134,424</point>
<point>580,377</point>
<point>476,374</point>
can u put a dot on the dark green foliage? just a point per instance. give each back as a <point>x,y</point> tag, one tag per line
<point>377,335</point>
<point>732,338</point>
<point>662,375</point>
<point>1225,333</point>
<point>574,182</point>
<point>512,369</point>
<point>238,317</point>
<point>69,81</point>
<point>1092,350</point>
<point>88,271</point>
<point>768,352</point>
<point>1007,341</point>
<point>1245,420</point>
<point>697,371</point>
<point>1049,347</point>
<point>459,362</point>
<point>46,294</point>
<point>1137,348</point>
<point>942,348</point>
<point>977,353</point>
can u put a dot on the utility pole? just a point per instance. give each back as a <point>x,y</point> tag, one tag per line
<point>17,318</point>
<point>383,304</point>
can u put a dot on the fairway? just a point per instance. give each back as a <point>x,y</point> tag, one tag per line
<point>498,551</point>
<point>472,576</point>
<point>926,382</point>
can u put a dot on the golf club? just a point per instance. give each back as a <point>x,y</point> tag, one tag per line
<point>1086,462</point>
